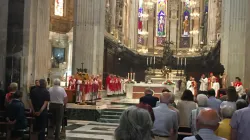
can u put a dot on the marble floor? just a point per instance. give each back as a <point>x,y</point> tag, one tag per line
<point>86,130</point>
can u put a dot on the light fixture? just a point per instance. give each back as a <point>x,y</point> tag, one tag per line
<point>193,3</point>
<point>194,14</point>
<point>144,17</point>
<point>143,33</point>
<point>194,32</point>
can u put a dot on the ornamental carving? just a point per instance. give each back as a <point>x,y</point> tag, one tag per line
<point>62,24</point>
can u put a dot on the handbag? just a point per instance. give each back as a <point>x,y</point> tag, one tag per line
<point>198,137</point>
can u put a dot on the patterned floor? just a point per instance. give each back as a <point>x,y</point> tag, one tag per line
<point>85,130</point>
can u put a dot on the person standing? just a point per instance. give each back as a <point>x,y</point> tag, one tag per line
<point>58,100</point>
<point>39,98</point>
<point>207,122</point>
<point>240,123</point>
<point>166,120</point>
<point>13,88</point>
<point>149,98</point>
<point>212,101</point>
<point>35,86</point>
<point>215,86</point>
<point>204,84</point>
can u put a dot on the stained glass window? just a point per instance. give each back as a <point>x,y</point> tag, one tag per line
<point>140,12</point>
<point>186,19</point>
<point>59,7</point>
<point>161,18</point>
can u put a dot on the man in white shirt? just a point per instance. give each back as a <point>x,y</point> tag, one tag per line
<point>204,84</point>
<point>189,83</point>
<point>58,100</point>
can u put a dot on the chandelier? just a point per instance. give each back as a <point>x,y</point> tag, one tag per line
<point>194,15</point>
<point>143,33</point>
<point>193,3</point>
<point>143,50</point>
<point>194,32</point>
<point>144,17</point>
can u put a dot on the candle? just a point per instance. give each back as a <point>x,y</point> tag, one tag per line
<point>128,75</point>
<point>147,61</point>
<point>154,59</point>
<point>185,61</point>
<point>181,61</point>
<point>177,61</point>
<point>133,76</point>
<point>150,60</point>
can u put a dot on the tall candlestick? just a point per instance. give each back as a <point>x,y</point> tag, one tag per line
<point>147,61</point>
<point>133,76</point>
<point>185,61</point>
<point>154,59</point>
<point>181,61</point>
<point>128,75</point>
<point>177,61</point>
<point>150,60</point>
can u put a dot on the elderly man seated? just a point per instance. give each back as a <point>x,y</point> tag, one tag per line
<point>166,123</point>
<point>202,103</point>
<point>224,129</point>
<point>207,122</point>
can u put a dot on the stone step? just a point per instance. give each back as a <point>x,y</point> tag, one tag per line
<point>110,116</point>
<point>104,120</point>
<point>111,113</point>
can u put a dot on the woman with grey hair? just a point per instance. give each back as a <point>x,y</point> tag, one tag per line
<point>202,103</point>
<point>224,129</point>
<point>135,124</point>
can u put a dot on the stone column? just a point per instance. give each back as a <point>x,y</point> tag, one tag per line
<point>151,29</point>
<point>113,15</point>
<point>212,11</point>
<point>3,37</point>
<point>173,22</point>
<point>235,39</point>
<point>133,29</point>
<point>36,49</point>
<point>89,35</point>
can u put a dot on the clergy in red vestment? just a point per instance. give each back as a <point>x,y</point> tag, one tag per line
<point>72,82</point>
<point>108,85</point>
<point>95,88</point>
<point>210,80</point>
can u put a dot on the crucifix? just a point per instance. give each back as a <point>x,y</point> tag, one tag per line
<point>82,65</point>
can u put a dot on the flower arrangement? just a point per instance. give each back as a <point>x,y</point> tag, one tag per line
<point>130,81</point>
<point>168,82</point>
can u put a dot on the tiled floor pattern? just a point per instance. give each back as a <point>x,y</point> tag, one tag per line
<point>85,130</point>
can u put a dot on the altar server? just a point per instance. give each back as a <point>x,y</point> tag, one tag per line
<point>215,86</point>
<point>204,84</point>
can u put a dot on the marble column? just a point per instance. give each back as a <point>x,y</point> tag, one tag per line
<point>212,12</point>
<point>151,29</point>
<point>88,41</point>
<point>174,22</point>
<point>3,37</point>
<point>113,15</point>
<point>235,39</point>
<point>36,48</point>
<point>133,29</point>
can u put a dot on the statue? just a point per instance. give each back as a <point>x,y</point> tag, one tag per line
<point>165,71</point>
<point>186,27</point>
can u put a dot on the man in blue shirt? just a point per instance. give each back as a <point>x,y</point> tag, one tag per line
<point>212,101</point>
<point>166,120</point>
<point>207,122</point>
<point>240,123</point>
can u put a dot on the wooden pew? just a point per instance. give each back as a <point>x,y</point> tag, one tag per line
<point>7,128</point>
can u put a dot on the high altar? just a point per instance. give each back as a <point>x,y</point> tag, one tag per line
<point>157,80</point>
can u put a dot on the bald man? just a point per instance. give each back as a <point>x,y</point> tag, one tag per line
<point>166,120</point>
<point>207,122</point>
